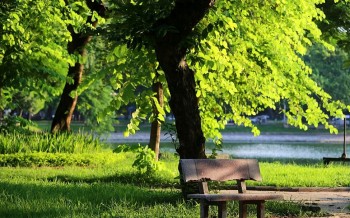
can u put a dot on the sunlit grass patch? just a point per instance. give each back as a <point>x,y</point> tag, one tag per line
<point>294,175</point>
<point>50,143</point>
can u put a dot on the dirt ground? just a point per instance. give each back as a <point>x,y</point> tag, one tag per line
<point>335,203</point>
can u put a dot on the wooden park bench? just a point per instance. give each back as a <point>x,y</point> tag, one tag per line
<point>203,170</point>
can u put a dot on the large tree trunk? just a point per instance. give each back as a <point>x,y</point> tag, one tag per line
<point>154,140</point>
<point>171,53</point>
<point>66,106</point>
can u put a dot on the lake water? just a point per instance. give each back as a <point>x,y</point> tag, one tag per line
<point>286,152</point>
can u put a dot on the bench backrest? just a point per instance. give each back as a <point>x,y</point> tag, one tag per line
<point>199,170</point>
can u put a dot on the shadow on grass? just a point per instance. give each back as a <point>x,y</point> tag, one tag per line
<point>129,178</point>
<point>60,199</point>
<point>100,198</point>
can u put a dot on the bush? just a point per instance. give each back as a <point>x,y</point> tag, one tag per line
<point>57,160</point>
<point>45,142</point>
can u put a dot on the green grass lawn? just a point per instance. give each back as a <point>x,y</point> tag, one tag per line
<point>118,190</point>
<point>110,186</point>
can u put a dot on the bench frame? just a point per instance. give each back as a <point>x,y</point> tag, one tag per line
<point>203,170</point>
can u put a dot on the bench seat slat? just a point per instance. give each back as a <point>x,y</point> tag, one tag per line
<point>237,197</point>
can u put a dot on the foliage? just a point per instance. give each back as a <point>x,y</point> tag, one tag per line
<point>16,125</point>
<point>133,21</point>
<point>254,63</point>
<point>331,68</point>
<point>48,143</point>
<point>33,58</point>
<point>134,73</point>
<point>96,92</point>
<point>145,161</point>
<point>336,26</point>
<point>246,55</point>
<point>329,71</point>
<point>29,51</point>
<point>136,70</point>
<point>92,102</point>
<point>28,100</point>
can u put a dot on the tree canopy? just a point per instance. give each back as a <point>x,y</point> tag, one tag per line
<point>217,60</point>
<point>32,46</point>
<point>251,60</point>
<point>247,56</point>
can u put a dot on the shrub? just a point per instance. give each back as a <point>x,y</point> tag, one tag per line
<point>57,160</point>
<point>44,142</point>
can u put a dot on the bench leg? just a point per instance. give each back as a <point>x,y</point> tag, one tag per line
<point>204,209</point>
<point>260,209</point>
<point>242,209</point>
<point>222,209</point>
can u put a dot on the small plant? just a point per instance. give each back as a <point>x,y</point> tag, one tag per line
<point>122,148</point>
<point>218,147</point>
<point>145,162</point>
<point>170,131</point>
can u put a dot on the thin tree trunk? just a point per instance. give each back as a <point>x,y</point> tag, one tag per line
<point>69,97</point>
<point>171,54</point>
<point>65,109</point>
<point>156,126</point>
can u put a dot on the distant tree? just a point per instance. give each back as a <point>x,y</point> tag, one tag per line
<point>330,71</point>
<point>92,102</point>
<point>96,90</point>
<point>27,101</point>
<point>336,25</point>
<point>331,66</point>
